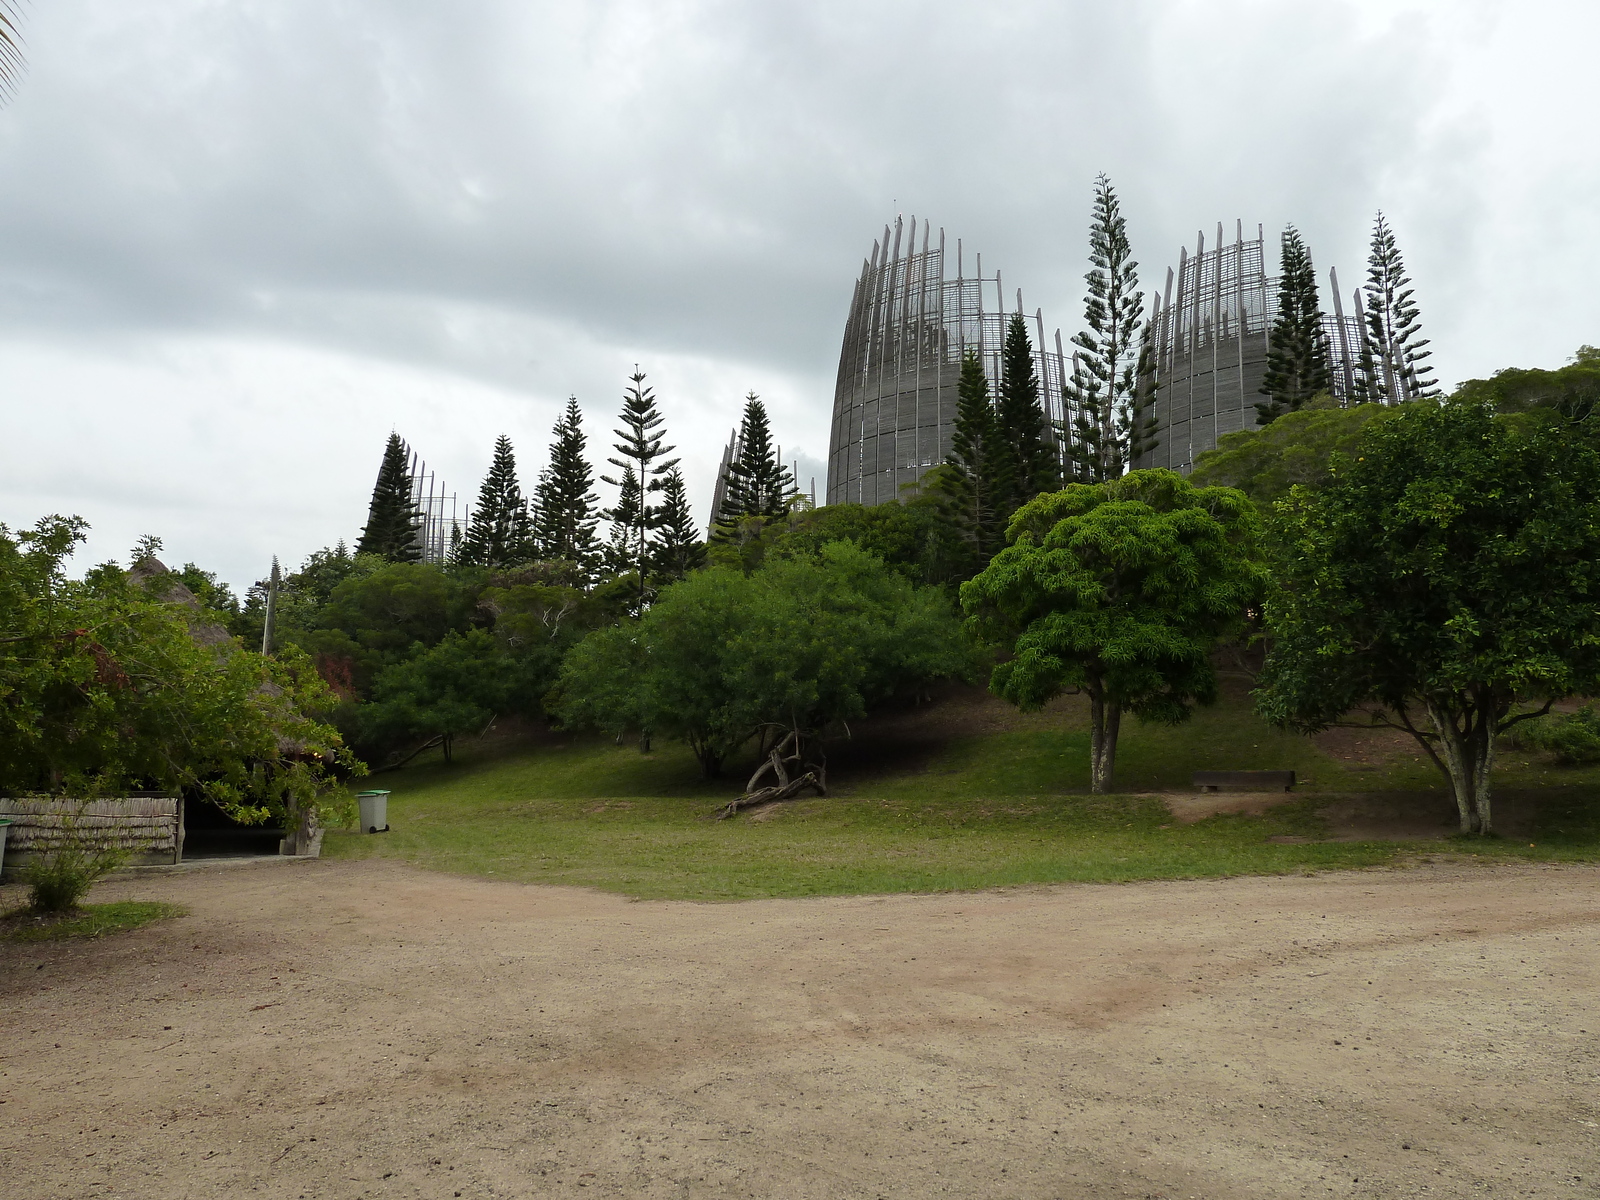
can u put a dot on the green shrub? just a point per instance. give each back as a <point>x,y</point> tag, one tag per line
<point>1573,739</point>
<point>57,881</point>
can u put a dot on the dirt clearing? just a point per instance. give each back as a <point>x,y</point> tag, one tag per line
<point>341,1029</point>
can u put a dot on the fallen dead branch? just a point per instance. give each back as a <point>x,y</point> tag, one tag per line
<point>778,761</point>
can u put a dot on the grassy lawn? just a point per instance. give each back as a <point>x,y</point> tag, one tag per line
<point>90,920</point>
<point>998,808</point>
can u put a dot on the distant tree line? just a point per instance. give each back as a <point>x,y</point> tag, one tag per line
<point>1426,563</point>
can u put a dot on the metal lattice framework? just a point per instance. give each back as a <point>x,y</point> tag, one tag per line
<point>1210,330</point>
<point>440,528</point>
<point>894,406</point>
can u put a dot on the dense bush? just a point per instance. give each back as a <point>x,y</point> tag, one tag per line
<point>106,684</point>
<point>1573,738</point>
<point>798,646</point>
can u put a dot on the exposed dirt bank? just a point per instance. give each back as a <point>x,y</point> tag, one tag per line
<point>344,1029</point>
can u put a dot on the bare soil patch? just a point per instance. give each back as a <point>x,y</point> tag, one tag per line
<point>343,1029</point>
<point>1369,748</point>
<point>1369,816</point>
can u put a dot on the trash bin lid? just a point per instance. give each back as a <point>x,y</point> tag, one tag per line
<point>372,793</point>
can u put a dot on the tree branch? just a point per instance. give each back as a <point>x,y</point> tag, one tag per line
<point>1502,726</point>
<point>1424,740</point>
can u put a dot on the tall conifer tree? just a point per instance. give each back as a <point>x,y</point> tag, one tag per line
<point>1393,355</point>
<point>975,451</point>
<point>626,551</point>
<point>642,453</point>
<point>500,533</point>
<point>1297,348</point>
<point>1110,426</point>
<point>676,548</point>
<point>758,485</point>
<point>568,509</point>
<point>1021,420</point>
<point>393,522</point>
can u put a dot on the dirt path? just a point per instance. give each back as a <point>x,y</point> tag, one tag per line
<point>361,1029</point>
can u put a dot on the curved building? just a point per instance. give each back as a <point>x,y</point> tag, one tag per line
<point>894,405</point>
<point>1209,330</point>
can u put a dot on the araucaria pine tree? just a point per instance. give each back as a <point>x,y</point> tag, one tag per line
<point>976,455</point>
<point>1110,426</point>
<point>392,519</point>
<point>500,533</point>
<point>1297,348</point>
<point>675,548</point>
<point>625,552</point>
<point>1393,354</point>
<point>568,509</point>
<point>1020,422</point>
<point>758,485</point>
<point>642,453</point>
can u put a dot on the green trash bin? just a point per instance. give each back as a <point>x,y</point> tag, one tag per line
<point>5,823</point>
<point>374,808</point>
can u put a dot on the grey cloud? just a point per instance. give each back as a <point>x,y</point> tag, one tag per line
<point>534,195</point>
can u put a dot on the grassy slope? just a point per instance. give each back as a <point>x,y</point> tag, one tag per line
<point>920,804</point>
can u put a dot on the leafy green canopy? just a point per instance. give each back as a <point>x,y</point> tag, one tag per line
<point>1453,566</point>
<point>374,619</point>
<point>921,537</point>
<point>1573,391</point>
<point>455,687</point>
<point>466,679</point>
<point>1297,448</point>
<point>106,686</point>
<point>802,644</point>
<point>1118,590</point>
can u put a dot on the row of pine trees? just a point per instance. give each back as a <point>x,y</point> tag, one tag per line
<point>652,537</point>
<point>1391,358</point>
<point>1003,451</point>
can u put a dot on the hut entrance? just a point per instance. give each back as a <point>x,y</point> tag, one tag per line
<point>211,833</point>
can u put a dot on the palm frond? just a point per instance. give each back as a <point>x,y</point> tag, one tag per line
<point>12,63</point>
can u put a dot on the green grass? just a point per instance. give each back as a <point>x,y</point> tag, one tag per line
<point>88,921</point>
<point>1003,808</point>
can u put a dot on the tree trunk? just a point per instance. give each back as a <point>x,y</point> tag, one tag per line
<point>1105,720</point>
<point>448,742</point>
<point>710,762</point>
<point>1466,746</point>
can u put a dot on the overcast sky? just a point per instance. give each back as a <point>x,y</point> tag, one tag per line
<point>242,241</point>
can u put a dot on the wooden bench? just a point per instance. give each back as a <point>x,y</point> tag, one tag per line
<point>1244,781</point>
